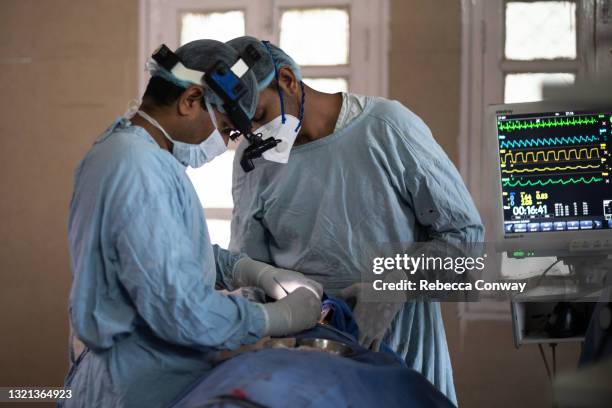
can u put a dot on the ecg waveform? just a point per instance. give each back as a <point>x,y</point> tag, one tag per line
<point>512,125</point>
<point>550,141</point>
<point>514,183</point>
<point>556,168</point>
<point>545,156</point>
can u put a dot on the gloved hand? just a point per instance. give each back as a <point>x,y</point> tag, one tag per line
<point>373,317</point>
<point>276,282</point>
<point>300,310</point>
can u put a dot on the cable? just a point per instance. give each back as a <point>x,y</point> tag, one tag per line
<point>299,125</point>
<point>546,271</point>
<point>553,346</point>
<point>545,361</point>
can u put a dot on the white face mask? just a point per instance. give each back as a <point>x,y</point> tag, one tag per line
<point>194,155</point>
<point>286,132</point>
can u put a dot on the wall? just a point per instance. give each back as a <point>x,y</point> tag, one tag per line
<point>424,64</point>
<point>68,68</point>
<point>425,75</point>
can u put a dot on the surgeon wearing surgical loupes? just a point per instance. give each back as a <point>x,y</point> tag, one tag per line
<point>350,170</point>
<point>143,298</point>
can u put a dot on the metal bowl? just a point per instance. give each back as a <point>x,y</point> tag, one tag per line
<point>329,346</point>
<point>284,342</point>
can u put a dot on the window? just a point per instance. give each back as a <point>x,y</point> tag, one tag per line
<point>331,61</point>
<point>540,30</point>
<point>350,54</point>
<point>222,26</point>
<point>527,87</point>
<point>510,50</point>
<point>540,38</point>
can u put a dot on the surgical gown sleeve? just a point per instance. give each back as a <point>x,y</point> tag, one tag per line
<point>224,262</point>
<point>166,282</point>
<point>429,182</point>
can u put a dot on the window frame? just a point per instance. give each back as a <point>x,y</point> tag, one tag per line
<point>366,72</point>
<point>482,48</point>
<point>483,44</point>
<point>494,49</point>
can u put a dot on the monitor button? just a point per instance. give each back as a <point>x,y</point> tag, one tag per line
<point>546,226</point>
<point>520,227</point>
<point>533,227</point>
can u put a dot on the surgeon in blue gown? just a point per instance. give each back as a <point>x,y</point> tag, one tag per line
<point>350,170</point>
<point>143,298</point>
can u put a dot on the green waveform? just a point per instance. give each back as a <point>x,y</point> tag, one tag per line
<point>509,183</point>
<point>512,125</point>
<point>534,169</point>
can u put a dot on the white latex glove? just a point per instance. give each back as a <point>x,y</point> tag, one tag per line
<point>300,310</point>
<point>372,317</point>
<point>276,282</point>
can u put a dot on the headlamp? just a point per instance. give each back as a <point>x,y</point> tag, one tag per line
<point>226,82</point>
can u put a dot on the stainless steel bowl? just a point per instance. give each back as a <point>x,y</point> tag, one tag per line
<point>285,342</point>
<point>329,346</point>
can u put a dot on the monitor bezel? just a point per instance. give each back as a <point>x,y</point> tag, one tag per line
<point>533,243</point>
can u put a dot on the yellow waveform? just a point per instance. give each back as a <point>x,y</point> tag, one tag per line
<point>536,157</point>
<point>534,169</point>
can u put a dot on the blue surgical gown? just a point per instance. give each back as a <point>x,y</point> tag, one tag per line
<point>381,178</point>
<point>143,296</point>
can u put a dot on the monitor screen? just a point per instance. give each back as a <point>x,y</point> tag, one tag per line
<point>555,171</point>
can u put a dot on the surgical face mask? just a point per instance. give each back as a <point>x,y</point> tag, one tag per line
<point>284,128</point>
<point>285,132</point>
<point>194,155</point>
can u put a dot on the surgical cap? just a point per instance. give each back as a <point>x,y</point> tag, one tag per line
<point>264,68</point>
<point>202,55</point>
